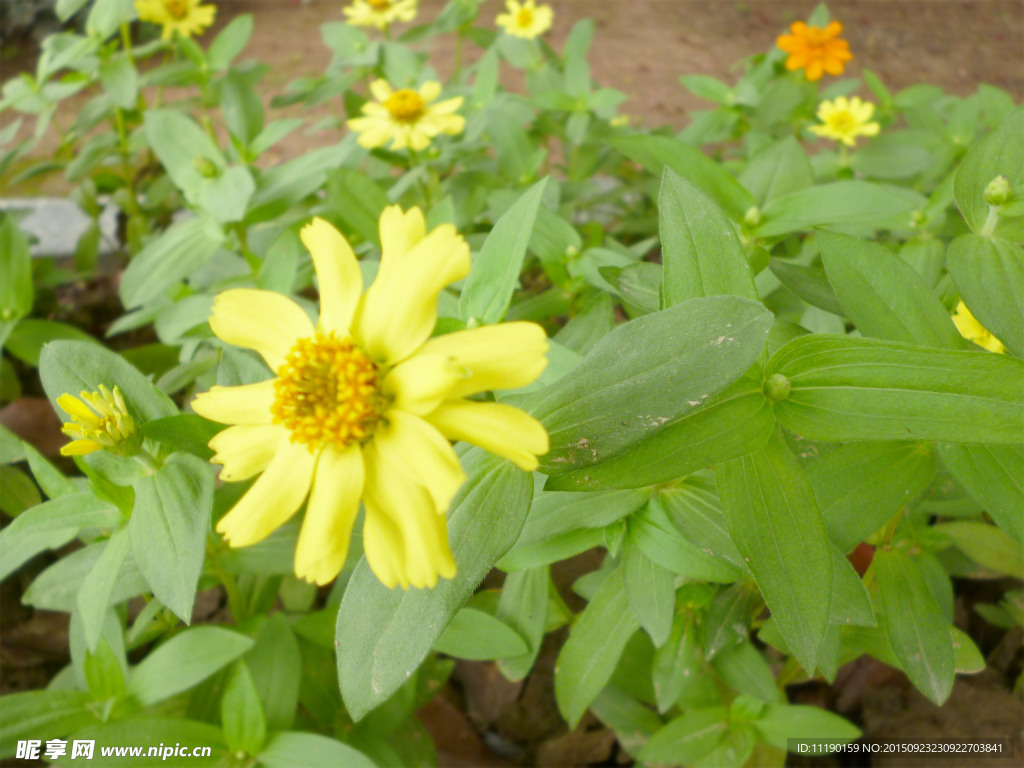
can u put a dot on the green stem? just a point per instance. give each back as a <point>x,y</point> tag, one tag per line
<point>251,258</point>
<point>146,460</point>
<point>989,227</point>
<point>458,54</point>
<point>235,603</point>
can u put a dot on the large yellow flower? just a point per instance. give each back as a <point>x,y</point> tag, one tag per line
<point>405,117</point>
<point>845,119</point>
<point>815,50</point>
<point>365,402</point>
<point>380,13</point>
<point>972,330</point>
<point>186,17</point>
<point>525,19</point>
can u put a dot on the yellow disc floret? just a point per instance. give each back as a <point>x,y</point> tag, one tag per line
<point>326,392</point>
<point>405,105</point>
<point>176,8</point>
<point>99,421</point>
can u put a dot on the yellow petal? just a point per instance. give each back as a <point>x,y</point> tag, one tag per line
<point>261,320</point>
<point>273,498</point>
<point>332,509</point>
<point>408,441</point>
<point>500,429</point>
<point>245,451</point>
<point>341,281</point>
<point>429,91</point>
<point>245,404</point>
<point>80,448</point>
<point>419,384</point>
<point>400,233</point>
<point>399,311</point>
<point>380,90</point>
<point>382,543</point>
<point>503,356</point>
<point>76,409</point>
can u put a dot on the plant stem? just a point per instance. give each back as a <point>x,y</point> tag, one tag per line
<point>989,227</point>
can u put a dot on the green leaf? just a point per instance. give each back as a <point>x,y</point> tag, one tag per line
<point>245,728</point>
<point>17,491</point>
<point>744,669</point>
<point>967,657</point>
<point>781,722</point>
<point>555,513</point>
<point>523,605</point>
<point>700,251</point>
<point>994,475</point>
<point>915,625</point>
<point>478,636</point>
<point>632,721</point>
<point>657,152</point>
<point>841,203</point>
<point>33,714</point>
<point>883,295</point>
<point>154,731</point>
<point>226,197</point>
<point>106,16</point>
<point>677,662</point>
<point>999,154</point>
<point>28,338</point>
<point>707,88</point>
<point>989,274</point>
<point>241,106</point>
<point>50,479</point>
<point>57,588</point>
<point>728,617</point>
<point>97,590</point>
<point>777,170</point>
<point>168,528</point>
<point>986,545</point>
<point>16,291</point>
<point>51,525</point>
<point>589,657</point>
<point>660,539</point>
<point>275,663</point>
<point>774,520</point>
<point>184,432</point>
<point>859,486</point>
<point>294,749</point>
<point>644,375</point>
<point>103,672</point>
<point>687,738</point>
<point>809,283</point>
<point>172,256</point>
<point>121,81</point>
<point>734,422</point>
<point>229,42</point>
<point>851,604</point>
<point>389,632</point>
<point>845,388</point>
<point>487,291</point>
<point>178,142</point>
<point>186,659</point>
<point>281,186</point>
<point>650,591</point>
<point>358,200</point>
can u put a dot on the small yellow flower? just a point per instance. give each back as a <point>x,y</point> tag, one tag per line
<point>974,331</point>
<point>364,404</point>
<point>526,19</point>
<point>99,421</point>
<point>846,119</point>
<point>405,117</point>
<point>815,50</point>
<point>380,13</point>
<point>186,17</point>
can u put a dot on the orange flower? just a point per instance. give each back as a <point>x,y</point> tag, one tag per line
<point>815,50</point>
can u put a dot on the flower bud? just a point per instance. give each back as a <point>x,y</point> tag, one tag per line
<point>752,217</point>
<point>997,191</point>
<point>206,167</point>
<point>99,421</point>
<point>776,387</point>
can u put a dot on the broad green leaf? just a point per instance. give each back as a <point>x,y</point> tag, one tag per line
<point>184,432</point>
<point>42,714</point>
<point>845,388</point>
<point>595,321</point>
<point>58,587</point>
<point>553,549</point>
<point>97,590</point>
<point>986,545</point>
<point>917,630</point>
<point>774,521</point>
<point>50,479</point>
<point>294,749</point>
<point>781,722</point>
<point>736,421</point>
<point>851,604</point>
<point>966,656</point>
<point>809,283</point>
<point>281,186</point>
<point>229,42</point>
<point>841,203</point>
<point>661,541</point>
<point>487,292</point>
<point>275,664</point>
<point>226,197</point>
<point>106,16</point>
<point>389,632</point>
<point>999,154</point>
<point>728,616</point>
<point>241,106</point>
<point>695,509</point>
<point>555,513</point>
<point>994,475</point>
<point>707,88</point>
<point>644,375</point>
<point>650,592</point>
<point>357,199</point>
<point>883,295</point>
<point>523,606</point>
<point>121,81</point>
<point>687,738</point>
<point>989,274</point>
<point>859,486</point>
<point>16,291</point>
<point>186,659</point>
<point>478,636</point>
<point>744,669</point>
<point>51,525</point>
<point>168,529</point>
<point>700,251</point>
<point>172,256</point>
<point>103,673</point>
<point>894,155</point>
<point>17,491</point>
<point>589,657</point>
<point>677,662</point>
<point>241,714</point>
<point>777,170</point>
<point>632,721</point>
<point>656,153</point>
<point>28,338</point>
<point>182,147</point>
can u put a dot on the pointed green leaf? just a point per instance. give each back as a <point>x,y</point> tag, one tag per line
<point>994,475</point>
<point>989,274</point>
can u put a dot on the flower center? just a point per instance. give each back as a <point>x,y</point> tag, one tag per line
<point>326,392</point>
<point>816,37</point>
<point>524,18</point>
<point>379,5</point>
<point>405,105</point>
<point>843,122</point>
<point>177,8</point>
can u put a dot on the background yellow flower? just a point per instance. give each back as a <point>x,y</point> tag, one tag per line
<point>365,402</point>
<point>380,13</point>
<point>972,330</point>
<point>405,117</point>
<point>815,50</point>
<point>186,17</point>
<point>845,119</point>
<point>525,19</point>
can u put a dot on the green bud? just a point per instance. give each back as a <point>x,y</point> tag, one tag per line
<point>997,191</point>
<point>206,167</point>
<point>752,217</point>
<point>776,387</point>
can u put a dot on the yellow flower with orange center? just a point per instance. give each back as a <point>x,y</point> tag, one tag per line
<point>364,404</point>
<point>186,17</point>
<point>843,120</point>
<point>526,19</point>
<point>972,330</point>
<point>815,50</point>
<point>380,13</point>
<point>406,117</point>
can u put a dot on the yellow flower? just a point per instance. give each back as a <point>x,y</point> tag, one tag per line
<point>815,50</point>
<point>406,117</point>
<point>380,13</point>
<point>525,19</point>
<point>846,119</point>
<point>186,17</point>
<point>99,421</point>
<point>365,402</point>
<point>974,331</point>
